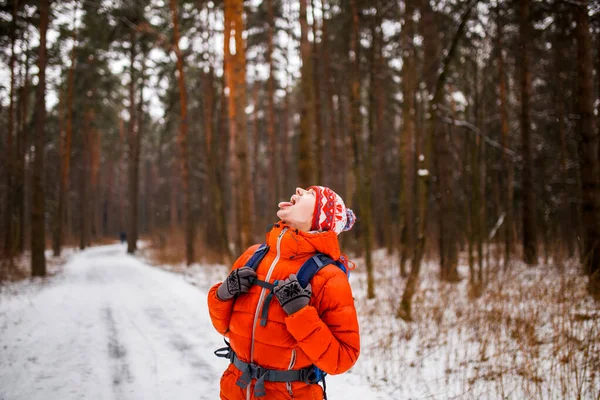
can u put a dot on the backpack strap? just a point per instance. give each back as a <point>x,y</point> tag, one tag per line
<point>257,257</point>
<point>253,263</point>
<point>311,267</point>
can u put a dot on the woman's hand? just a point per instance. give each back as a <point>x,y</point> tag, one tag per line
<point>291,295</point>
<point>238,281</point>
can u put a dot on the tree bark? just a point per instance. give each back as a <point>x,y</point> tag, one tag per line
<point>38,210</point>
<point>66,154</point>
<point>217,234</point>
<point>407,134</point>
<point>507,167</point>
<point>183,146</point>
<point>85,204</point>
<point>588,153</point>
<point>332,162</point>
<point>529,228</point>
<point>272,154</point>
<point>133,162</point>
<point>306,156</point>
<point>23,145</point>
<point>9,237</point>
<point>235,73</point>
<point>319,139</point>
<point>447,209</point>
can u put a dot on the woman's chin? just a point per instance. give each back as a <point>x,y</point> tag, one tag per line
<point>281,214</point>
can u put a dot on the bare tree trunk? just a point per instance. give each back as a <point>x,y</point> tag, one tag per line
<point>478,168</point>
<point>66,153</point>
<point>93,209</point>
<point>529,231</point>
<point>507,167</point>
<point>9,237</point>
<point>332,161</point>
<point>319,139</point>
<point>38,210</point>
<point>407,135</point>
<point>217,234</point>
<point>306,160</point>
<point>588,150</point>
<point>133,162</point>
<point>272,154</point>
<point>138,144</point>
<point>84,206</point>
<point>405,308</point>
<point>182,139</point>
<point>447,209</point>
<point>235,73</point>
<point>22,151</point>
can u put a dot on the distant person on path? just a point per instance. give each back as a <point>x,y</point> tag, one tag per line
<point>123,237</point>
<point>287,307</point>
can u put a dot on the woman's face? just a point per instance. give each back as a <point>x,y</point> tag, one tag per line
<point>298,212</point>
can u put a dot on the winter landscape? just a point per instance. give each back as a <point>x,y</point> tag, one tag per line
<point>435,163</point>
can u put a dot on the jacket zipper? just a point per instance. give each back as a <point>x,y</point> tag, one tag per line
<point>261,299</point>
<point>288,385</point>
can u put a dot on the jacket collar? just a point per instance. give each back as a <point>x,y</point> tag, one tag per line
<point>298,244</point>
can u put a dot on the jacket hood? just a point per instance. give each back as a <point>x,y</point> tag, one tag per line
<point>298,244</point>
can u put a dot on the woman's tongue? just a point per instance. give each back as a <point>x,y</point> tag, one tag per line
<point>285,204</point>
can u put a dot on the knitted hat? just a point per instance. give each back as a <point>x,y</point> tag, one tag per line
<point>330,212</point>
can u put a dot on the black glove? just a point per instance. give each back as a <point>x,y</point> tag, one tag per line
<point>238,281</point>
<point>291,295</point>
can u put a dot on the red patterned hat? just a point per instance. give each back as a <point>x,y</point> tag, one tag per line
<point>330,212</point>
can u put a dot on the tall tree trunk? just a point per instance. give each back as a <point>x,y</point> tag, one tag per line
<point>306,160</point>
<point>183,146</point>
<point>319,139</point>
<point>135,148</point>
<point>133,163</point>
<point>425,163</point>
<point>529,231</point>
<point>93,210</point>
<point>23,145</point>
<point>9,237</point>
<point>120,179</point>
<point>565,227</point>
<point>66,153</point>
<point>447,209</point>
<point>332,161</point>
<point>221,147</point>
<point>478,177</point>
<point>85,204</point>
<point>38,210</point>
<point>588,153</point>
<point>507,167</point>
<point>407,135</point>
<point>235,72</point>
<point>272,154</point>
<point>217,234</point>
<point>138,144</point>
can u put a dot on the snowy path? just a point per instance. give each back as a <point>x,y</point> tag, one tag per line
<point>111,327</point>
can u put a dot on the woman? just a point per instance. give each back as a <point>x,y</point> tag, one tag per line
<point>279,348</point>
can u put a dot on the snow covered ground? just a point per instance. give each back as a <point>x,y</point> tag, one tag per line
<point>534,333</point>
<point>111,327</point>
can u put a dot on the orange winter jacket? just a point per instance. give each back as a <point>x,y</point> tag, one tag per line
<point>324,333</point>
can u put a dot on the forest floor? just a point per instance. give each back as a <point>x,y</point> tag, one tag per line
<point>109,326</point>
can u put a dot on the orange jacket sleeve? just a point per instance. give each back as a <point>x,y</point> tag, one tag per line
<point>219,310</point>
<point>332,340</point>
